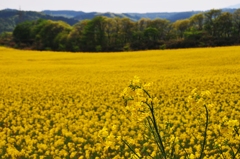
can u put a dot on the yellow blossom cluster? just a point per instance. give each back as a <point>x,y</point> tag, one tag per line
<point>67,105</point>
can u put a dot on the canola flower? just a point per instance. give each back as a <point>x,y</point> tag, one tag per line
<point>199,108</point>
<point>142,106</point>
<point>64,105</point>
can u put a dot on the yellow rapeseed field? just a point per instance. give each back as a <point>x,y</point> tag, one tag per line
<point>69,105</point>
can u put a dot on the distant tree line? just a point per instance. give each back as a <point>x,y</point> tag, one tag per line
<point>212,28</point>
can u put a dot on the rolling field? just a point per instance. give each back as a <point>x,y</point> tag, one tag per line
<point>68,105</point>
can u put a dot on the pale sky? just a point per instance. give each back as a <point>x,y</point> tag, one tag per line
<point>118,6</point>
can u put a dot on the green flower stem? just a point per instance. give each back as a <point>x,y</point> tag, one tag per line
<point>147,93</point>
<point>158,134</point>
<point>222,153</point>
<point>153,120</point>
<point>130,148</point>
<point>234,154</point>
<point>149,119</point>
<point>205,133</point>
<point>237,152</point>
<point>187,154</point>
<point>236,130</point>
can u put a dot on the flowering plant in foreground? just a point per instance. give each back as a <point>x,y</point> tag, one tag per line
<point>143,108</point>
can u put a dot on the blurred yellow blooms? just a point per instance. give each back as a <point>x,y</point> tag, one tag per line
<point>233,123</point>
<point>191,156</point>
<point>103,133</point>
<point>135,156</point>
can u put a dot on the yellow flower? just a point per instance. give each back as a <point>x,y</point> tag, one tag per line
<point>233,123</point>
<point>13,152</point>
<point>136,81</point>
<point>103,132</point>
<point>42,157</point>
<point>73,154</point>
<point>135,156</point>
<point>192,156</point>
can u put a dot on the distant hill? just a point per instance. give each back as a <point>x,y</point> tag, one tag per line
<point>230,10</point>
<point>163,15</point>
<point>79,15</point>
<point>107,14</point>
<point>9,18</point>
<point>172,16</point>
<point>63,13</point>
<point>236,6</point>
<point>182,15</point>
<point>20,16</point>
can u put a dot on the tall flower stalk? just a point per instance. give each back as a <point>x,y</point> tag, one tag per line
<point>142,106</point>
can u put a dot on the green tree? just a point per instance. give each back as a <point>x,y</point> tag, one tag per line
<point>6,38</point>
<point>110,30</point>
<point>116,33</point>
<point>94,34</point>
<point>22,33</point>
<point>236,22</point>
<point>49,33</point>
<point>75,35</point>
<point>138,33</point>
<point>151,33</point>
<point>181,26</point>
<point>126,30</point>
<point>196,21</point>
<point>195,31</point>
<point>210,21</point>
<point>142,24</point>
<point>224,24</point>
<point>61,40</point>
<point>162,26</point>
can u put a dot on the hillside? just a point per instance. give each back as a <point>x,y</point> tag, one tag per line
<point>234,6</point>
<point>64,13</point>
<point>107,14</point>
<point>10,18</point>
<point>172,16</point>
